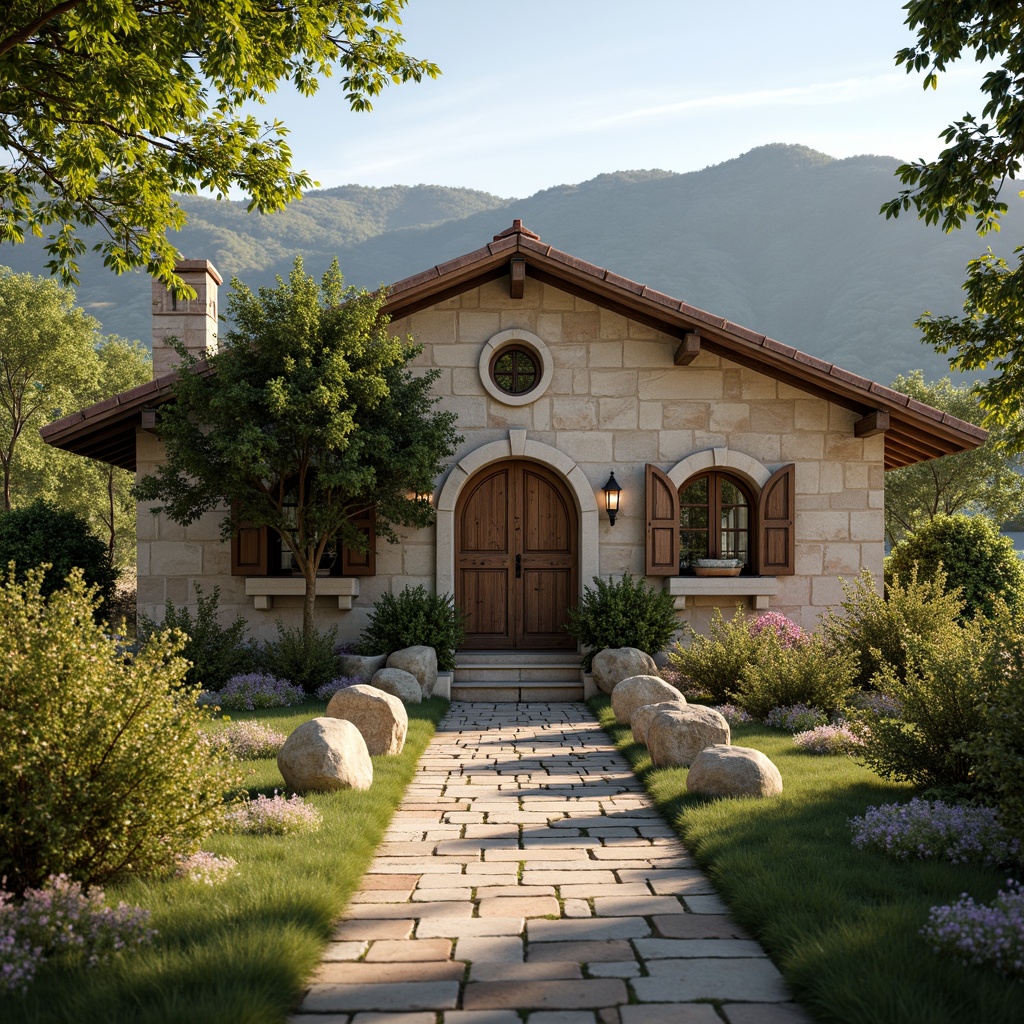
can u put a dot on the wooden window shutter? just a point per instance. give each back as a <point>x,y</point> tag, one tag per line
<point>776,511</point>
<point>361,563</point>
<point>662,546</point>
<point>249,551</point>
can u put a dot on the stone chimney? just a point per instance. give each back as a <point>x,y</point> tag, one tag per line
<point>191,321</point>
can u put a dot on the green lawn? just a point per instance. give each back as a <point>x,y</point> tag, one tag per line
<point>239,952</point>
<point>841,924</point>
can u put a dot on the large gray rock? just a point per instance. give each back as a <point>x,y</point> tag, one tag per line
<point>636,691</point>
<point>722,770</point>
<point>614,664</point>
<point>399,683</point>
<point>643,716</point>
<point>676,737</point>
<point>420,662</point>
<point>379,716</point>
<point>325,754</point>
<point>358,666</point>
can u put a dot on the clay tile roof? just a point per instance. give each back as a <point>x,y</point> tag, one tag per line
<point>517,229</point>
<point>916,432</point>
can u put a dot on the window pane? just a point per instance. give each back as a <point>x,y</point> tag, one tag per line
<point>692,545</point>
<point>731,494</point>
<point>693,518</point>
<point>696,493</point>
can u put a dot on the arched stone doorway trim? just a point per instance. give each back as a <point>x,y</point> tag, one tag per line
<point>516,447</point>
<point>719,458</point>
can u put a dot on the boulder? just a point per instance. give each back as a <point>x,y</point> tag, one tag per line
<point>398,683</point>
<point>420,662</point>
<point>614,664</point>
<point>356,666</point>
<point>677,736</point>
<point>325,754</point>
<point>722,770</point>
<point>379,716</point>
<point>643,716</point>
<point>636,691</point>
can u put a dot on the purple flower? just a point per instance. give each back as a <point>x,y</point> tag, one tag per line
<point>205,867</point>
<point>923,829</point>
<point>328,690</point>
<point>255,690</point>
<point>787,631</point>
<point>61,920</point>
<point>795,718</point>
<point>732,714</point>
<point>982,935</point>
<point>247,741</point>
<point>274,816</point>
<point>829,739</point>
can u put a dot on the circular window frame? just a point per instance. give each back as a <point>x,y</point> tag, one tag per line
<point>515,338</point>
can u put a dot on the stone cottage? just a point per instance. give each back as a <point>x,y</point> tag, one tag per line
<point>565,378</point>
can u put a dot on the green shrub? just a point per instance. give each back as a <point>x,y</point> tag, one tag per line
<point>310,666</point>
<point>712,664</point>
<point>413,618</point>
<point>974,556</point>
<point>216,652</point>
<point>103,767</point>
<point>810,673</point>
<point>874,628</point>
<point>42,534</point>
<point>997,749</point>
<point>942,692</point>
<point>622,613</point>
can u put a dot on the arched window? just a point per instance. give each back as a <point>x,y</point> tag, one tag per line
<point>717,513</point>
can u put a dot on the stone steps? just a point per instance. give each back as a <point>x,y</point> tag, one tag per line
<point>512,676</point>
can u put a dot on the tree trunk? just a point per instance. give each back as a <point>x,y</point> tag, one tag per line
<point>110,509</point>
<point>309,603</point>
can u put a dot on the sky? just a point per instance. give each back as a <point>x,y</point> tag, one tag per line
<point>539,93</point>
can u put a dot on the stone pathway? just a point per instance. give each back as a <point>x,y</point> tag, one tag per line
<point>526,870</point>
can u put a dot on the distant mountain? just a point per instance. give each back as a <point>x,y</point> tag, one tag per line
<point>784,240</point>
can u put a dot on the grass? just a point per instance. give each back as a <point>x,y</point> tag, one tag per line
<point>841,924</point>
<point>239,951</point>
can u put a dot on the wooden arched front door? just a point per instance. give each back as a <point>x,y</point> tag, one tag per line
<point>516,568</point>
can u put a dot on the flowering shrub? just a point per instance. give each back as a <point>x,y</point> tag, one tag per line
<point>60,919</point>
<point>786,630</point>
<point>247,740</point>
<point>256,690</point>
<point>275,816</point>
<point>205,867</point>
<point>923,829</point>
<point>328,690</point>
<point>732,714</point>
<point>795,718</point>
<point>982,935</point>
<point>829,739</point>
<point>712,664</point>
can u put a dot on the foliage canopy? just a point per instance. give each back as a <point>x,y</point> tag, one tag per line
<point>306,418</point>
<point>112,106</point>
<point>983,480</point>
<point>966,180</point>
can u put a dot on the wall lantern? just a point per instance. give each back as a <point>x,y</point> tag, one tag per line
<point>611,497</point>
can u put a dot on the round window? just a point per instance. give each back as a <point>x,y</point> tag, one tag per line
<point>515,370</point>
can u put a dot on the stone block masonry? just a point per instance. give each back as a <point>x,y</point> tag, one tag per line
<point>480,906</point>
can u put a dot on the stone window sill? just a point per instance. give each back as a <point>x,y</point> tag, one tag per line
<point>263,590</point>
<point>758,588</point>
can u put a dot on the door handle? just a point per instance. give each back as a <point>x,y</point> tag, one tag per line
<point>519,566</point>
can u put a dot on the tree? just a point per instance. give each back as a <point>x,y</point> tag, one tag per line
<point>966,180</point>
<point>112,106</point>
<point>306,418</point>
<point>47,360</point>
<point>984,480</point>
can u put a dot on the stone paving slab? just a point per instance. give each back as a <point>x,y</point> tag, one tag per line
<point>487,903</point>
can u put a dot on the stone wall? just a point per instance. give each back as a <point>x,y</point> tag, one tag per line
<point>615,401</point>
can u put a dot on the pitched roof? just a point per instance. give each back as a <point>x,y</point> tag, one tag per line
<point>915,432</point>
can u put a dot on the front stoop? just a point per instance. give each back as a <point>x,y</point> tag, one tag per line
<point>513,676</point>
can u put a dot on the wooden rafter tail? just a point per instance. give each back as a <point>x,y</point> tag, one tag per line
<point>517,277</point>
<point>875,422</point>
<point>689,349</point>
